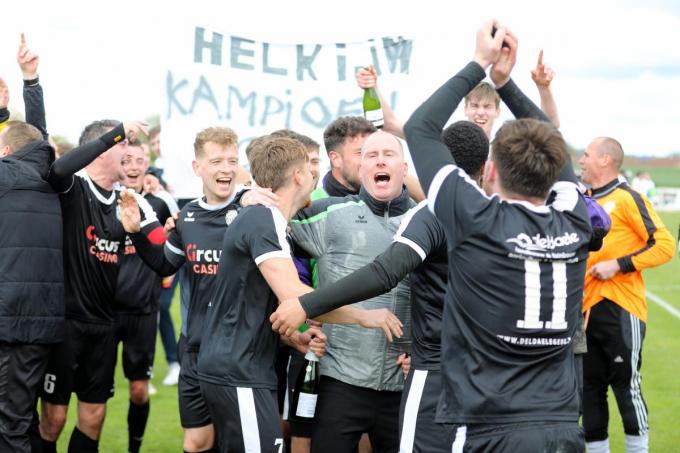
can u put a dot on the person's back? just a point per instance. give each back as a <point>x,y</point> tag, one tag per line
<point>516,265</point>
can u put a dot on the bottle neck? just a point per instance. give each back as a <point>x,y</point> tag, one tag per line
<point>311,356</point>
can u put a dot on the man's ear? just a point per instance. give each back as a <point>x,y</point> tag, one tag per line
<point>334,157</point>
<point>194,165</point>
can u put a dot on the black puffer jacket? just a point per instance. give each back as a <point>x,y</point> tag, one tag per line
<point>31,264</point>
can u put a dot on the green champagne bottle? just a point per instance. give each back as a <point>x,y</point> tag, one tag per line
<point>306,390</point>
<point>372,108</point>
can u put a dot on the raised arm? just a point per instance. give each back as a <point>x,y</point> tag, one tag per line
<point>63,169</point>
<point>368,78</point>
<point>542,76</point>
<point>423,129</point>
<point>150,245</point>
<point>4,101</point>
<point>34,102</point>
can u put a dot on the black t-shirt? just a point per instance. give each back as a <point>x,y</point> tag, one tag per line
<point>196,243</point>
<point>139,287</point>
<point>512,302</point>
<point>421,231</point>
<point>239,346</point>
<point>93,247</point>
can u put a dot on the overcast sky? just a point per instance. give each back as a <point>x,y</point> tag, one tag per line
<point>617,63</point>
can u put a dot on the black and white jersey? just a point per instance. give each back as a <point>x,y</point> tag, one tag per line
<point>196,244</point>
<point>421,231</point>
<point>94,242</point>
<point>239,346</point>
<point>512,302</point>
<point>139,287</point>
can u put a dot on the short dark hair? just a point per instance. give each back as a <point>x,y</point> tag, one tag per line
<point>469,146</point>
<point>20,134</point>
<point>271,161</point>
<point>96,129</point>
<point>154,131</point>
<point>529,155</point>
<point>306,141</point>
<point>344,127</point>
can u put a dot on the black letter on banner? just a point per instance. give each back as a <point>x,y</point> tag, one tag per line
<point>342,62</point>
<point>265,62</point>
<point>172,88</point>
<point>214,46</point>
<point>203,91</point>
<point>350,108</point>
<point>305,61</point>
<point>267,105</point>
<point>242,103</point>
<point>237,51</point>
<point>398,51</point>
<point>324,111</point>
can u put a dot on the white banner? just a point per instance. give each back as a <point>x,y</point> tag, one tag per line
<point>256,87</point>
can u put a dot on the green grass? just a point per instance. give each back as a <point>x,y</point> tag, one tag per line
<point>662,176</point>
<point>660,383</point>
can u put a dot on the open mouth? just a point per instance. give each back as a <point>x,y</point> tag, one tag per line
<point>224,182</point>
<point>381,179</point>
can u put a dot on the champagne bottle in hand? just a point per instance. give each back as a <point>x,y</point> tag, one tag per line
<point>306,390</point>
<point>372,108</point>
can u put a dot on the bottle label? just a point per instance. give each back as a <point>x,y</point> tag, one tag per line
<point>375,117</point>
<point>306,405</point>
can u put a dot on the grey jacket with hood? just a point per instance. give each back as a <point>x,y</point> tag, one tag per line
<point>343,235</point>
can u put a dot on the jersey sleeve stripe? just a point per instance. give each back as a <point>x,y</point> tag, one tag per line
<point>416,248</point>
<point>174,249</point>
<point>408,217</point>
<point>169,201</point>
<point>280,224</point>
<point>269,255</point>
<point>436,185</point>
<point>156,236</point>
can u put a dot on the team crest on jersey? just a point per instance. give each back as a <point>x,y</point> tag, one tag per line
<point>230,216</point>
<point>609,206</point>
<point>189,217</point>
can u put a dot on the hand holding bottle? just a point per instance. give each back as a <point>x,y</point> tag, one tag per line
<point>367,77</point>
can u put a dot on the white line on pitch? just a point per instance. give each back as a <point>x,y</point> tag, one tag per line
<point>663,304</point>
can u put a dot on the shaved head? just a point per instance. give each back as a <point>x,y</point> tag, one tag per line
<point>381,138</point>
<point>610,147</point>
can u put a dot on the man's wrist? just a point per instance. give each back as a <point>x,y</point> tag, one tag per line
<point>501,83</point>
<point>481,61</point>
<point>30,78</point>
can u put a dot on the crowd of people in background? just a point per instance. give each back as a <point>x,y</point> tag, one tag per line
<point>484,302</point>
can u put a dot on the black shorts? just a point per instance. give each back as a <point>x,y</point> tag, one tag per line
<point>526,437</point>
<point>83,363</point>
<point>418,431</point>
<point>137,332</point>
<point>298,428</point>
<point>193,410</point>
<point>344,412</point>
<point>245,419</point>
<point>22,367</point>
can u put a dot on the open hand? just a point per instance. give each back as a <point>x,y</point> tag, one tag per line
<point>261,196</point>
<point>382,318</point>
<point>130,216</point>
<point>134,128</point>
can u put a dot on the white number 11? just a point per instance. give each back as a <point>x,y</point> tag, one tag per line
<point>532,297</point>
